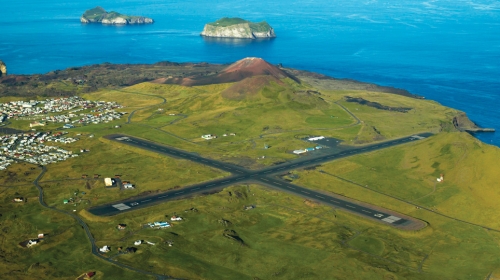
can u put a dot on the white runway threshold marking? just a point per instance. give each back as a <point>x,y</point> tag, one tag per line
<point>121,206</point>
<point>391,219</point>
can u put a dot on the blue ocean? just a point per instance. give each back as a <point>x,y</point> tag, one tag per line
<point>445,50</point>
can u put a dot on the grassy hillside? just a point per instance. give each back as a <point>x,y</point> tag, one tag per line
<point>264,110</point>
<point>226,21</point>
<point>262,26</point>
<point>287,237</point>
<point>469,191</point>
<point>64,253</point>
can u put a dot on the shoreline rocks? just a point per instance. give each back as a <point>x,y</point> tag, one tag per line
<point>463,123</point>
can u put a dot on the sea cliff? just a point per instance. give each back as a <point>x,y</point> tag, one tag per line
<point>238,28</point>
<point>99,15</point>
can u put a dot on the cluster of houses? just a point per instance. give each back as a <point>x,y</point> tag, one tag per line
<point>82,119</point>
<point>30,147</point>
<point>100,111</point>
<point>212,136</point>
<point>5,162</point>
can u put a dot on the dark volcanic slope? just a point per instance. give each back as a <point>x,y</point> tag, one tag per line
<point>238,71</point>
<point>76,80</point>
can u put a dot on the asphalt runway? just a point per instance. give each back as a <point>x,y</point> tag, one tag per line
<point>265,176</point>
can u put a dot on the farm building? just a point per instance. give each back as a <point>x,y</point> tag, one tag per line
<point>159,225</point>
<point>109,182</point>
<point>208,136</point>
<point>298,152</point>
<point>316,138</point>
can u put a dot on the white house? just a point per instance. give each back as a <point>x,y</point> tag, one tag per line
<point>32,242</point>
<point>104,249</point>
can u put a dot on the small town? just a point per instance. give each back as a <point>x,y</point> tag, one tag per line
<point>30,147</point>
<point>49,111</point>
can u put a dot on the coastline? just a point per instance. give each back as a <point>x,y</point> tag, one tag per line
<point>27,83</point>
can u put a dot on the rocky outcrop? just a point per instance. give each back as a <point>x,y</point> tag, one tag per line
<point>3,69</point>
<point>238,28</point>
<point>463,123</point>
<point>99,15</point>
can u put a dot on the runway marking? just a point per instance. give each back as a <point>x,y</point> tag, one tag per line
<point>264,180</point>
<point>224,182</point>
<point>179,192</point>
<point>350,206</point>
<point>145,200</point>
<point>195,189</point>
<point>121,206</point>
<point>290,187</point>
<point>391,219</point>
<point>210,185</point>
<point>276,183</point>
<point>319,196</point>
<point>305,192</point>
<point>366,211</point>
<point>163,196</point>
<point>334,201</point>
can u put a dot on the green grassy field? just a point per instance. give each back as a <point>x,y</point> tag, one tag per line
<point>284,237</point>
<point>63,254</point>
<point>269,111</point>
<point>287,237</point>
<point>409,172</point>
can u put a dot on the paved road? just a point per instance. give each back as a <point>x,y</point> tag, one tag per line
<point>94,249</point>
<point>263,176</point>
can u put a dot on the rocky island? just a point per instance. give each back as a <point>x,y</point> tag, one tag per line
<point>238,28</point>
<point>99,15</point>
<point>3,69</point>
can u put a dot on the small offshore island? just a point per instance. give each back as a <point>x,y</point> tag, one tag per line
<point>238,28</point>
<point>99,15</point>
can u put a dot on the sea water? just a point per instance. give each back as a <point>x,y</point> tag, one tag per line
<point>448,50</point>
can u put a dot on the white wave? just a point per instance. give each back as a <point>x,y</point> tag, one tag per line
<point>408,24</point>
